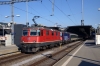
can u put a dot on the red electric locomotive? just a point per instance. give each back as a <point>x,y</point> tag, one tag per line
<point>35,38</point>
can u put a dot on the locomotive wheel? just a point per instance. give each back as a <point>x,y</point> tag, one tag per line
<point>49,47</point>
<point>44,47</point>
<point>41,48</point>
<point>35,49</point>
<point>22,51</point>
<point>55,45</point>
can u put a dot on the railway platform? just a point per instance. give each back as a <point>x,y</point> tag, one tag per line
<point>88,54</point>
<point>8,49</point>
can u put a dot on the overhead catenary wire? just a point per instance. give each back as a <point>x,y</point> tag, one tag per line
<point>71,10</point>
<point>63,13</point>
<point>41,16</point>
<point>23,10</point>
<point>51,14</point>
<point>33,9</point>
<point>34,14</point>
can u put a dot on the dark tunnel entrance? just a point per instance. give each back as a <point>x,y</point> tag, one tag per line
<point>82,31</point>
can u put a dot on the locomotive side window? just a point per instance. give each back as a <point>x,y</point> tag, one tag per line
<point>33,32</point>
<point>38,32</point>
<point>47,32</point>
<point>60,33</point>
<point>41,32</point>
<point>52,33</point>
<point>25,32</point>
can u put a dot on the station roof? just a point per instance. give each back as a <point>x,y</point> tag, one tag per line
<point>80,30</point>
<point>2,23</point>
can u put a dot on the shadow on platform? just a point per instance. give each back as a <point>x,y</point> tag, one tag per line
<point>85,63</point>
<point>90,44</point>
<point>95,61</point>
<point>96,46</point>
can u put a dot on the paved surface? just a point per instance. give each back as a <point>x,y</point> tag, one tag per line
<point>8,49</point>
<point>87,54</point>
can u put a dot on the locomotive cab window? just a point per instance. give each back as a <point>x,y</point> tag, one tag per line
<point>35,32</point>
<point>25,32</point>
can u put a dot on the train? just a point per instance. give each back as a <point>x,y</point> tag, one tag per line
<point>35,38</point>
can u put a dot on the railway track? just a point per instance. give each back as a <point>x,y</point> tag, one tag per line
<point>14,59</point>
<point>51,59</point>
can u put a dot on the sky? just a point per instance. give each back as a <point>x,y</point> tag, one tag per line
<point>66,12</point>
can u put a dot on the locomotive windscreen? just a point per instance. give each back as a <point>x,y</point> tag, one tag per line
<point>32,32</point>
<point>25,32</point>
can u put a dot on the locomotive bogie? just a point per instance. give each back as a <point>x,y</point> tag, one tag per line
<point>34,47</point>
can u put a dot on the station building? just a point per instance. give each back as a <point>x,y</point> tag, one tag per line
<point>5,34</point>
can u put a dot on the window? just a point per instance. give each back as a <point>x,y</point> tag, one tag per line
<point>33,32</point>
<point>47,32</point>
<point>74,36</point>
<point>38,32</point>
<point>25,32</point>
<point>60,33</point>
<point>41,32</point>
<point>52,33</point>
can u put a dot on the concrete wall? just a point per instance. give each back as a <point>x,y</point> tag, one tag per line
<point>97,39</point>
<point>8,40</point>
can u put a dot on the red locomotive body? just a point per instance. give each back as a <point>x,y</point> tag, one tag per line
<point>35,38</point>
